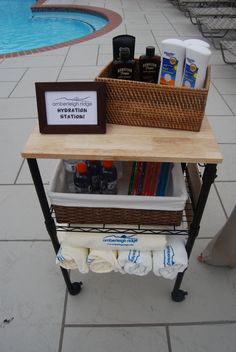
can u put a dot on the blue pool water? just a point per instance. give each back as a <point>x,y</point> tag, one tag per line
<point>22,29</point>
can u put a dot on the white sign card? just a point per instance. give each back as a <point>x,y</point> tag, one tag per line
<point>71,108</point>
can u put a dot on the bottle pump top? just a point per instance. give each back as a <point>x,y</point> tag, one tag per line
<point>150,50</point>
<point>81,167</point>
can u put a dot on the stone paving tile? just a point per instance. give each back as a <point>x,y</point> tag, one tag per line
<point>6,88</point>
<point>197,338</point>
<point>211,224</point>
<point>80,73</point>
<point>21,216</point>
<point>137,339</point>
<point>104,59</point>
<point>224,128</point>
<point>231,101</point>
<point>47,168</point>
<point>82,55</point>
<point>216,105</point>
<point>18,108</point>
<point>26,86</point>
<point>32,298</point>
<point>13,135</point>
<point>227,192</point>
<point>227,170</point>
<point>226,85</point>
<point>11,74</point>
<point>33,61</point>
<point>222,71</point>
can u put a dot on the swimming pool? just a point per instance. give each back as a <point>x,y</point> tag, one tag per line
<point>21,29</point>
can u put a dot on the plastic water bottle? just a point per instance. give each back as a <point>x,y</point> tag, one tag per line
<point>108,178</point>
<point>94,167</point>
<point>82,178</point>
<point>70,166</point>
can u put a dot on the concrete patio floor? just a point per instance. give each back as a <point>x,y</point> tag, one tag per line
<point>112,312</point>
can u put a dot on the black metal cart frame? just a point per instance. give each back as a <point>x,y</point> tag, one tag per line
<point>198,206</point>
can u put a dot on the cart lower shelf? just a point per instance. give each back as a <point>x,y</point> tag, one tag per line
<point>199,188</point>
<point>177,294</point>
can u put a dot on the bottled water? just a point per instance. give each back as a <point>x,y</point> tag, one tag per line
<point>82,178</point>
<point>94,167</point>
<point>108,178</point>
<point>70,167</point>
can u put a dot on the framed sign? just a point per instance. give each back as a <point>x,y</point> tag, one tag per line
<point>71,107</point>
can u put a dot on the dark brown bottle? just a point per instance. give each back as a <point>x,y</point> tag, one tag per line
<point>124,66</point>
<point>149,65</point>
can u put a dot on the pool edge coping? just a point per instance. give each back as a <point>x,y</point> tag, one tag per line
<point>114,20</point>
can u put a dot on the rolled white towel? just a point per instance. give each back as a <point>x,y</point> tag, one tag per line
<point>173,259</point>
<point>106,241</point>
<point>102,261</point>
<point>73,258</point>
<point>135,262</point>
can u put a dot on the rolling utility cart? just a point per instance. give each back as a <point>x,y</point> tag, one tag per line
<point>128,143</point>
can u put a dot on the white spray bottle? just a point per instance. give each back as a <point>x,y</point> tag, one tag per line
<point>197,59</point>
<point>190,42</point>
<point>172,62</point>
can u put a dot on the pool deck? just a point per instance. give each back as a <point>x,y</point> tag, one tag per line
<point>113,312</point>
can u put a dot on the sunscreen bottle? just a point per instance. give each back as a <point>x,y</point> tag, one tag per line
<point>123,67</point>
<point>149,65</point>
<point>197,59</point>
<point>172,62</point>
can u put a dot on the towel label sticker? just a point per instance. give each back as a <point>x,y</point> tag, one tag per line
<point>59,256</point>
<point>133,256</point>
<point>169,254</point>
<point>120,240</point>
<point>169,68</point>
<point>190,73</point>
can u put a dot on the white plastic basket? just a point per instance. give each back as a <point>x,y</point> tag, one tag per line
<point>174,200</point>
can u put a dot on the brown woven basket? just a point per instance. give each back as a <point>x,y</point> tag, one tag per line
<point>80,215</point>
<point>152,105</point>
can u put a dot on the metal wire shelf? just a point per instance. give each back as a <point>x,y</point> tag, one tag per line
<point>181,230</point>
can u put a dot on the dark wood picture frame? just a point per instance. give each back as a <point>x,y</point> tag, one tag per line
<point>75,115</point>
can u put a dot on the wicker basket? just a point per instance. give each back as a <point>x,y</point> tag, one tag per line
<point>152,105</point>
<point>118,209</point>
<point>81,215</point>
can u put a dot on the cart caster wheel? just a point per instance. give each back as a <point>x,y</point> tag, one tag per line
<point>76,288</point>
<point>178,296</point>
